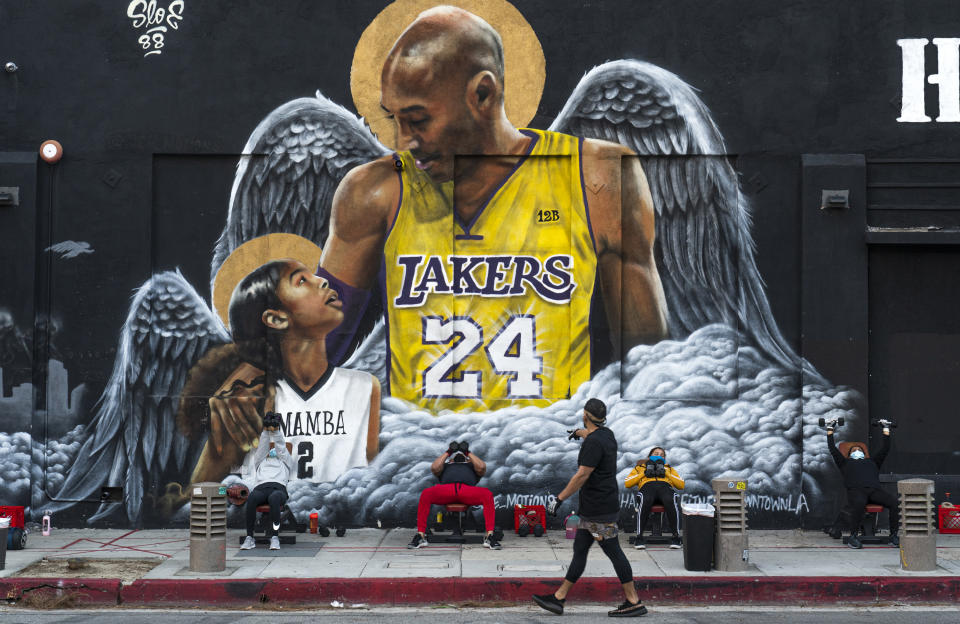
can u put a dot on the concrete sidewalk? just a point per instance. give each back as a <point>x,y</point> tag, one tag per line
<point>790,566</point>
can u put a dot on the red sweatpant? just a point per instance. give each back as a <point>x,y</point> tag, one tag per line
<point>447,493</point>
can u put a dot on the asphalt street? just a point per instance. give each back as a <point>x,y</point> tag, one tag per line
<point>446,615</point>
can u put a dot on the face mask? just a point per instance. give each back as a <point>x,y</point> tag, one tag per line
<point>857,454</point>
<point>272,453</point>
<point>656,458</point>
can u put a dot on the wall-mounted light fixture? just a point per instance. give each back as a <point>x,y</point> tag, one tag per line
<point>834,200</point>
<point>51,151</point>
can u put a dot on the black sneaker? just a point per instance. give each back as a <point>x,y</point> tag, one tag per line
<point>638,543</point>
<point>491,543</point>
<point>675,543</point>
<point>854,542</point>
<point>628,609</point>
<point>549,602</point>
<point>417,541</point>
<point>895,540</point>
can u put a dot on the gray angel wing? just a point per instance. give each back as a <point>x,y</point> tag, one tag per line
<point>703,248</point>
<point>134,442</point>
<point>289,171</point>
<point>371,354</point>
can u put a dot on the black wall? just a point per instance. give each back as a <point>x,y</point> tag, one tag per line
<point>150,139</point>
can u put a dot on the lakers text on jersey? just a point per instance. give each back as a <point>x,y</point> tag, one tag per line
<point>494,311</point>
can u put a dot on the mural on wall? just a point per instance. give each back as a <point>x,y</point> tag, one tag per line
<point>481,321</point>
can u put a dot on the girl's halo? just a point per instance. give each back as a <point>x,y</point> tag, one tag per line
<point>252,254</point>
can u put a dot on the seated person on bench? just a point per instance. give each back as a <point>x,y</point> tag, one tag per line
<point>861,476</point>
<point>268,468</point>
<point>458,470</point>
<point>657,482</point>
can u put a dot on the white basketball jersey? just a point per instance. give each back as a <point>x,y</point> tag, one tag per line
<point>327,424</point>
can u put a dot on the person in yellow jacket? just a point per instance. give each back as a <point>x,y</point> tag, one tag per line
<point>656,481</point>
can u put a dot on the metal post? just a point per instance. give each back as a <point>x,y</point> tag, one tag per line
<point>918,539</point>
<point>732,548</point>
<point>208,527</point>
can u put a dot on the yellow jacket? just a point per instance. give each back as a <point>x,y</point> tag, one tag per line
<point>637,478</point>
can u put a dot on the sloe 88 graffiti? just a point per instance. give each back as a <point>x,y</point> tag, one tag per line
<point>155,20</point>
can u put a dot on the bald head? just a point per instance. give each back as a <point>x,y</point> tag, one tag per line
<point>443,45</point>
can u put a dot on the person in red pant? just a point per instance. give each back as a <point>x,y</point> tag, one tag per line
<point>459,470</point>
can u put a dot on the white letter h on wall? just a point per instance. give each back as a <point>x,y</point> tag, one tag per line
<point>947,78</point>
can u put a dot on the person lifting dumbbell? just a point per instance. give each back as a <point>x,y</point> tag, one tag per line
<point>861,477</point>
<point>459,470</point>
<point>268,468</point>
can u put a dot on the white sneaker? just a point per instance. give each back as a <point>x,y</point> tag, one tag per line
<point>248,544</point>
<point>274,543</point>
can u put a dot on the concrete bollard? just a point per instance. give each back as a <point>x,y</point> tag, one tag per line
<point>918,537</point>
<point>208,527</point>
<point>731,546</point>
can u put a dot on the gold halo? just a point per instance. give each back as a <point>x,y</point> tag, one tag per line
<point>249,256</point>
<point>524,64</point>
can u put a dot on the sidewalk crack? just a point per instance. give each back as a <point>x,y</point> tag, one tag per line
<point>376,550</point>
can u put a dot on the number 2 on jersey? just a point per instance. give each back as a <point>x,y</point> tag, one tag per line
<point>512,352</point>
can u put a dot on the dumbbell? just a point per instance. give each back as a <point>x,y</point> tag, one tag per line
<point>838,422</point>
<point>886,424</point>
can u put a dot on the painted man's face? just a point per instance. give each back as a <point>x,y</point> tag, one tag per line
<point>432,118</point>
<point>311,305</point>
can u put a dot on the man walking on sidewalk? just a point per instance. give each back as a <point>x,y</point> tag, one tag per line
<point>596,480</point>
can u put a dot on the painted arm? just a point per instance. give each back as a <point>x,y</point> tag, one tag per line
<point>351,256</point>
<point>623,220</point>
<point>363,208</point>
<point>373,424</point>
<point>215,464</point>
<point>576,482</point>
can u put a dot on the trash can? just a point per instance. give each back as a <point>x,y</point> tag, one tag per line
<point>698,535</point>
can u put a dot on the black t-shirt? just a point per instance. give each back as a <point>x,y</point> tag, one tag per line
<point>600,495</point>
<point>455,472</point>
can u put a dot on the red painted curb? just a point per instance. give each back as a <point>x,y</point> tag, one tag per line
<point>86,592</point>
<point>728,590</point>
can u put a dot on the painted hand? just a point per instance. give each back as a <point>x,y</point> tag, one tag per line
<point>234,410</point>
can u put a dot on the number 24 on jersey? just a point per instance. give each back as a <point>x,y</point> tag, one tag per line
<point>511,352</point>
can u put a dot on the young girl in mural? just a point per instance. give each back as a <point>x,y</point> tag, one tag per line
<point>280,315</point>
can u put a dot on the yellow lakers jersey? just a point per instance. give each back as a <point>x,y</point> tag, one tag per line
<point>494,311</point>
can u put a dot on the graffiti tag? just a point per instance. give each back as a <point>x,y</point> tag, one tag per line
<point>156,21</point>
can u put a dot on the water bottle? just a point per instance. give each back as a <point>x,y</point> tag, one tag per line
<point>314,522</point>
<point>46,523</point>
<point>571,523</point>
